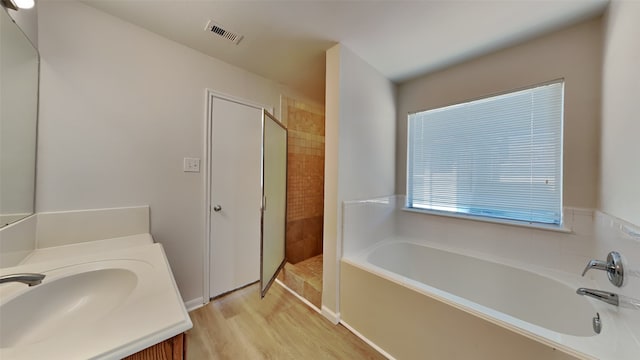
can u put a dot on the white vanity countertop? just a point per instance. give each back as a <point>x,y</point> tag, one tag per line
<point>150,311</point>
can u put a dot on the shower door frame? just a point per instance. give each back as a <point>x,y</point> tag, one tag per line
<point>266,117</point>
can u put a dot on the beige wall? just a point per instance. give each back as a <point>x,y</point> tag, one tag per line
<point>573,54</point>
<point>359,149</point>
<point>620,166</point>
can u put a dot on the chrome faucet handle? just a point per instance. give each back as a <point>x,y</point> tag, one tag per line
<point>613,267</point>
<point>595,264</point>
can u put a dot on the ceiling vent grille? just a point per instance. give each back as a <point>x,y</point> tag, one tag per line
<point>218,30</point>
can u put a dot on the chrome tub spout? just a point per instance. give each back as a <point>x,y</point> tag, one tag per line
<point>30,279</point>
<point>606,296</point>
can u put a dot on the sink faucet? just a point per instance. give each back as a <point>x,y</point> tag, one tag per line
<point>30,279</point>
<point>613,267</point>
<point>608,297</point>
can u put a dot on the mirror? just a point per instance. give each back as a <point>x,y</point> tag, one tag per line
<point>19,73</point>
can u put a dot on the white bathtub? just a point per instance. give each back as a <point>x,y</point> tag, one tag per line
<point>544,314</point>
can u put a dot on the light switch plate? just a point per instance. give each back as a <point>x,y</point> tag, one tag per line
<point>191,165</point>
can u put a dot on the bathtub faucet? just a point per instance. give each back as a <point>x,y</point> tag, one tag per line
<point>26,278</point>
<point>608,297</point>
<point>613,267</point>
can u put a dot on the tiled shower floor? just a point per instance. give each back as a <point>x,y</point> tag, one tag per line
<point>305,278</point>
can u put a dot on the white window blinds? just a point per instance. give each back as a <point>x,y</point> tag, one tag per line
<point>498,157</point>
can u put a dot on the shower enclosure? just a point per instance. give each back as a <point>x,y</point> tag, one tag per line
<point>305,198</point>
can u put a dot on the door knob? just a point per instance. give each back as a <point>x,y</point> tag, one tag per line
<point>217,208</point>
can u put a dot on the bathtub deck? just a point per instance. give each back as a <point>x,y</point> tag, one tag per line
<point>305,278</point>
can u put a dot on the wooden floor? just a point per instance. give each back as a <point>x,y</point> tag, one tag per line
<point>242,326</point>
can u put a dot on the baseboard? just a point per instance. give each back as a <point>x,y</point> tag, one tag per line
<point>330,315</point>
<point>307,302</point>
<point>194,304</point>
<point>369,342</point>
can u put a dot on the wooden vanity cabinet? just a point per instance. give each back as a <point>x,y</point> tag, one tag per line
<point>170,349</point>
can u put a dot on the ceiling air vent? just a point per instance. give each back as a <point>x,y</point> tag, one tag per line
<point>218,30</point>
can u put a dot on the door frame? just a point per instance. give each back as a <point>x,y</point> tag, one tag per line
<point>206,165</point>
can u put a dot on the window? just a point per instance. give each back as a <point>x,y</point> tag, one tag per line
<point>498,157</point>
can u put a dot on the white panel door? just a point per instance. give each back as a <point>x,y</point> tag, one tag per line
<point>236,196</point>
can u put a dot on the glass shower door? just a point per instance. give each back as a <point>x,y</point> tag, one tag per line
<point>274,200</point>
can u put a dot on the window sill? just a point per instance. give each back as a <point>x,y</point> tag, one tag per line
<point>557,228</point>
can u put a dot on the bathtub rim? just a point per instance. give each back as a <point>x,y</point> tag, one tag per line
<point>578,346</point>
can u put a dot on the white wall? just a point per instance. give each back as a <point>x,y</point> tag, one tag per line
<point>619,164</point>
<point>367,223</point>
<point>27,20</point>
<point>615,234</point>
<point>359,148</point>
<point>620,169</point>
<point>573,54</point>
<point>120,108</point>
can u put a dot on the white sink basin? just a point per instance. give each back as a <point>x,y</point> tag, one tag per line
<point>63,303</point>
<point>94,303</point>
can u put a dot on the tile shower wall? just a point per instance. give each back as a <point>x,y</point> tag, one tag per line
<point>305,179</point>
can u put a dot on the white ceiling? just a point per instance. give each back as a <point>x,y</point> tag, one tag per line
<point>286,40</point>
